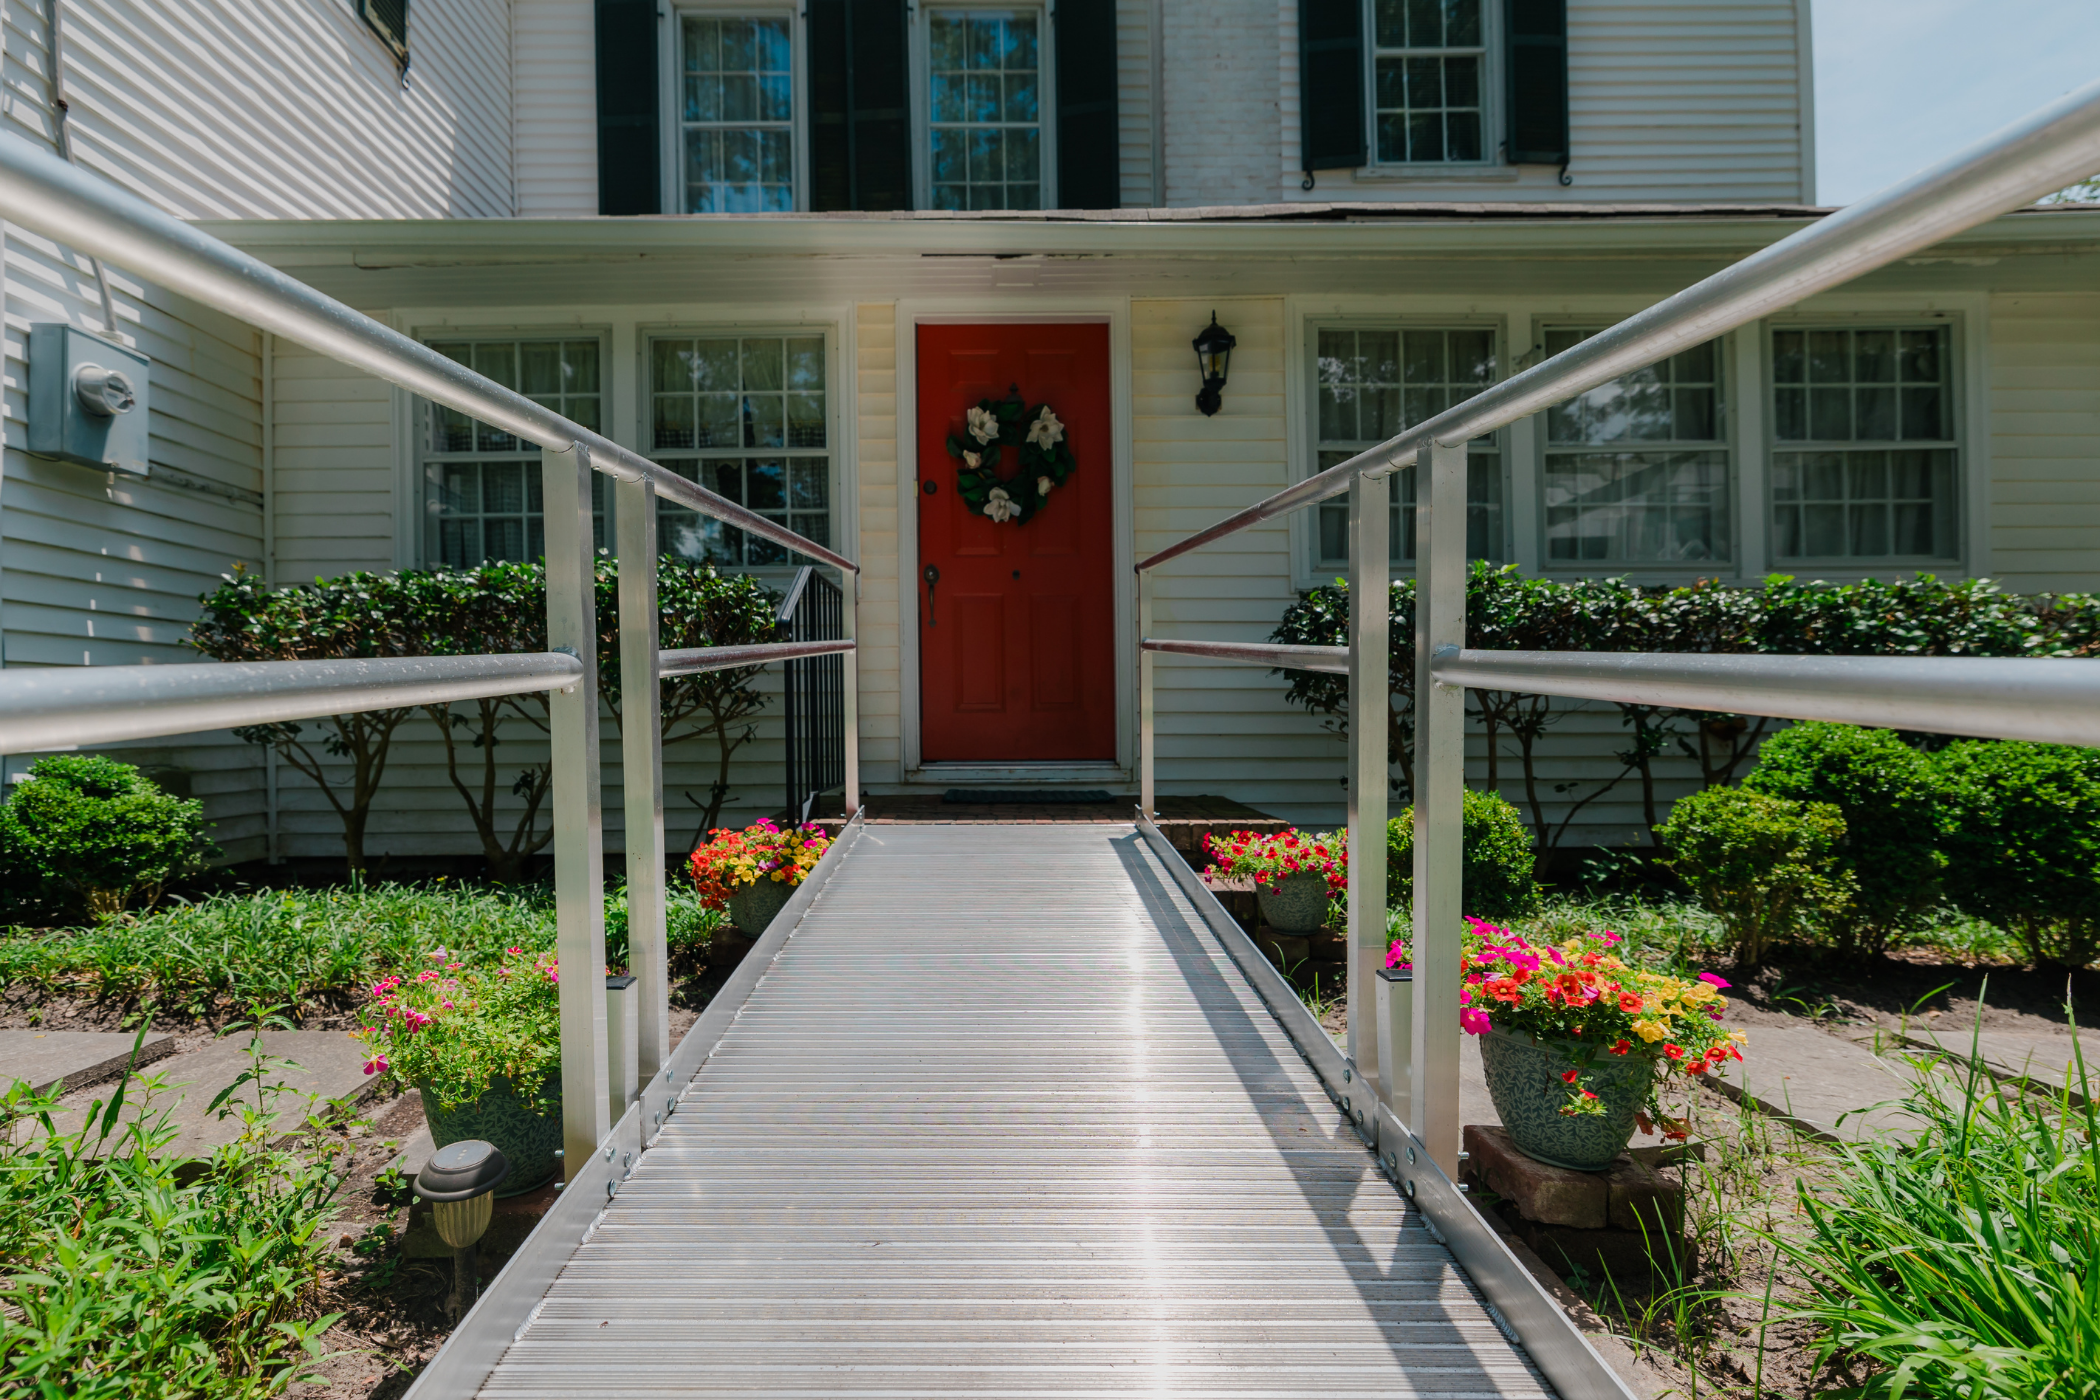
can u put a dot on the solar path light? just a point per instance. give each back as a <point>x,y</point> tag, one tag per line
<point>460,1182</point>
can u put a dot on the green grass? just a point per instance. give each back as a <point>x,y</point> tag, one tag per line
<point>302,949</point>
<point>121,1281</point>
<point>1966,1265</point>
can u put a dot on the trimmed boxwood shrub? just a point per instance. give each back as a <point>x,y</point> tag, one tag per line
<point>1887,793</point>
<point>1767,867</point>
<point>2020,826</point>
<point>1498,859</point>
<point>89,830</point>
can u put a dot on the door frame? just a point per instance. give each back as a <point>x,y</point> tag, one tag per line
<point>1016,310</point>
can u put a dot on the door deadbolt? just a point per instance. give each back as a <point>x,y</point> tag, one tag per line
<point>932,574</point>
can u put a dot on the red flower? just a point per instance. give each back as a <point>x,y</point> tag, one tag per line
<point>1675,1052</point>
<point>1621,1047</point>
<point>1629,1002</point>
<point>1696,1067</point>
<point>1570,1076</point>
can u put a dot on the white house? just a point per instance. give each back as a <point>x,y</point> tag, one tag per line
<point>1386,202</point>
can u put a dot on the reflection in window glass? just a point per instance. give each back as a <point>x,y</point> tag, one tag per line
<point>738,106</point>
<point>1428,66</point>
<point>1635,469</point>
<point>1869,413</point>
<point>746,417</point>
<point>1373,383</point>
<point>482,485</point>
<point>985,89</point>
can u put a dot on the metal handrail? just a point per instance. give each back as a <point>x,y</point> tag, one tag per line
<point>68,706</point>
<point>2048,700</point>
<point>42,192</point>
<point>1334,660</point>
<point>2042,153</point>
<point>691,661</point>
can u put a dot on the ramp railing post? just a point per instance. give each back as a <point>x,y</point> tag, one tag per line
<point>1440,779</point>
<point>849,685</point>
<point>1147,742</point>
<point>642,775</point>
<point>579,818</point>
<point>1370,663</point>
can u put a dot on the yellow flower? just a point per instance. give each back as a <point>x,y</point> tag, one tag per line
<point>1650,1031</point>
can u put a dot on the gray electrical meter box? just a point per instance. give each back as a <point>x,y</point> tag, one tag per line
<point>87,399</point>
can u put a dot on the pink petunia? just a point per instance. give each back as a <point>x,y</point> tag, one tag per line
<point>1474,1022</point>
<point>1712,981</point>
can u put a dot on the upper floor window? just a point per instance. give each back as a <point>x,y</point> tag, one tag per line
<point>482,495</point>
<point>1863,465</point>
<point>1636,471</point>
<point>737,113</point>
<point>748,417</point>
<point>1372,382</point>
<point>1429,75</point>
<point>985,98</point>
<point>388,19</point>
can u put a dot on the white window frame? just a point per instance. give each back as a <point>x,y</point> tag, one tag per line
<point>671,89</point>
<point>1491,100</point>
<point>1965,493</point>
<point>1729,444</point>
<point>836,388</point>
<point>1313,569</point>
<point>421,458</point>
<point>922,93</point>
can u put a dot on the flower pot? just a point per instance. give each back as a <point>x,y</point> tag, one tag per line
<point>755,905</point>
<point>1524,1080</point>
<point>1296,903</point>
<point>527,1139</point>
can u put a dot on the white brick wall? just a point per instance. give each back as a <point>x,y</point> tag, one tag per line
<point>1221,101</point>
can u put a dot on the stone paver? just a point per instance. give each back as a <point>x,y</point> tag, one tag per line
<point>1829,1087</point>
<point>330,1066</point>
<point>2045,1059</point>
<point>70,1059</point>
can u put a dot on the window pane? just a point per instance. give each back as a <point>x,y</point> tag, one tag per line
<point>1864,503</point>
<point>1637,507</point>
<point>985,135</point>
<point>1679,400</point>
<point>738,115</point>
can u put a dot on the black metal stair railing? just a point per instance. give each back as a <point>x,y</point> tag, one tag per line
<point>814,610</point>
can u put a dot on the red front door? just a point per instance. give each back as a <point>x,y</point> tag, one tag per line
<point>1016,622</point>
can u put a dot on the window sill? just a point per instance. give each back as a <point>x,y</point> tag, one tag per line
<point>1436,175</point>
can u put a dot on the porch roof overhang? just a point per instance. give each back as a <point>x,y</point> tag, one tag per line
<point>1472,249</point>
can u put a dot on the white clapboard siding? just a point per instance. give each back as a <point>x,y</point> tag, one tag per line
<point>554,46</point>
<point>289,108</point>
<point>1668,101</point>
<point>2045,441</point>
<point>334,471</point>
<point>875,457</point>
<point>1221,100</point>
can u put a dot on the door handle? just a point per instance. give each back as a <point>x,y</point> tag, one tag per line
<point>932,574</point>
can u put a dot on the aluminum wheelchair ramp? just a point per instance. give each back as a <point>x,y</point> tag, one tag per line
<point>1003,1119</point>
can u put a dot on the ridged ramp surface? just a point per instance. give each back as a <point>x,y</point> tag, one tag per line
<point>1005,1120</point>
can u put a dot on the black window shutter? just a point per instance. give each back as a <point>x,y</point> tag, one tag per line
<point>1538,82</point>
<point>859,105</point>
<point>1089,164</point>
<point>630,164</point>
<point>1331,84</point>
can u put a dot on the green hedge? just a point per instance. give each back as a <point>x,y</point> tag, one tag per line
<point>1496,881</point>
<point>1924,616</point>
<point>493,609</point>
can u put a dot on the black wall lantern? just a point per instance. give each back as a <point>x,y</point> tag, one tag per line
<point>1213,359</point>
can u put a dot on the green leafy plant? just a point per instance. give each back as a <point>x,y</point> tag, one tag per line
<point>452,1029</point>
<point>1767,867</point>
<point>1966,1262</point>
<point>125,1277</point>
<point>99,831</point>
<point>2021,830</point>
<point>1496,882</point>
<point>689,925</point>
<point>301,949</point>
<point>496,608</point>
<point>1888,794</point>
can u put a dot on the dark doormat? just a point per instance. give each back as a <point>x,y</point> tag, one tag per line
<point>999,797</point>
